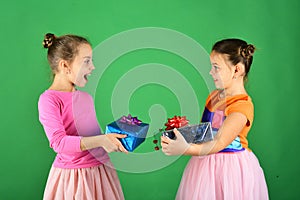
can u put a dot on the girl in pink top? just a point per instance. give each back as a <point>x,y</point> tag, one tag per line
<point>82,168</point>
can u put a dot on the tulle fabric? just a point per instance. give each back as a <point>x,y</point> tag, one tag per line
<point>223,176</point>
<point>93,183</point>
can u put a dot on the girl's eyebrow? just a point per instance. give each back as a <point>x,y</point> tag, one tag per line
<point>87,57</point>
<point>214,63</point>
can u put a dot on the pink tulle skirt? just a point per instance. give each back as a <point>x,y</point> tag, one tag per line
<point>223,176</point>
<point>94,183</point>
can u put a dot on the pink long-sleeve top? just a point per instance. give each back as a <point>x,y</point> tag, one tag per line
<point>66,117</point>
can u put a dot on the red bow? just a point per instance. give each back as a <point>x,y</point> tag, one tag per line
<point>176,122</point>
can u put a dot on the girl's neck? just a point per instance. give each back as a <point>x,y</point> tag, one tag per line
<point>62,84</point>
<point>228,92</point>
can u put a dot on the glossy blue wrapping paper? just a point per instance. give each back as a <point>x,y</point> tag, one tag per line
<point>136,133</point>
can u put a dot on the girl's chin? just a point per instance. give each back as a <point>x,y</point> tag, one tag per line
<point>81,83</point>
<point>219,87</point>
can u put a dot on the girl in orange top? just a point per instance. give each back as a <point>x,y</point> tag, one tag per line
<point>224,168</point>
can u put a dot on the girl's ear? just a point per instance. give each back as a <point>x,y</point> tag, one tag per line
<point>64,67</point>
<point>239,69</point>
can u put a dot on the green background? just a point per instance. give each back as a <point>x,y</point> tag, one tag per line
<point>273,26</point>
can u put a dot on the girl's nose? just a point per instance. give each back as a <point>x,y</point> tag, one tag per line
<point>211,71</point>
<point>92,66</point>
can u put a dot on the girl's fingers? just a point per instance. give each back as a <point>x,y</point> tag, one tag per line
<point>120,135</point>
<point>165,139</point>
<point>164,145</point>
<point>114,139</point>
<point>121,148</point>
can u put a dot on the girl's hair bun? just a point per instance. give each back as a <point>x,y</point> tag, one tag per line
<point>48,40</point>
<point>247,51</point>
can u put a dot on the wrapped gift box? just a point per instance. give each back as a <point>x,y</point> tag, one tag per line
<point>193,133</point>
<point>135,130</point>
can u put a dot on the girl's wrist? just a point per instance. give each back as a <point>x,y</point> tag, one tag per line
<point>192,150</point>
<point>100,140</point>
<point>91,142</point>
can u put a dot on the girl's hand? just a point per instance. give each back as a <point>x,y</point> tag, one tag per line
<point>174,147</point>
<point>111,143</point>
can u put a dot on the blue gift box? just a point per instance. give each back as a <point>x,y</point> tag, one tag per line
<point>136,133</point>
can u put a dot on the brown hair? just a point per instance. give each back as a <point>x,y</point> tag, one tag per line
<point>237,51</point>
<point>64,47</point>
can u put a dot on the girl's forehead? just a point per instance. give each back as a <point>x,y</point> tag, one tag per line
<point>220,59</point>
<point>85,49</point>
<point>215,56</point>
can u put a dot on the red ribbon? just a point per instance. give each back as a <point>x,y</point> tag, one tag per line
<point>176,122</point>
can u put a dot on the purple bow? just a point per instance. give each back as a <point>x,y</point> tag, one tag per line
<point>130,120</point>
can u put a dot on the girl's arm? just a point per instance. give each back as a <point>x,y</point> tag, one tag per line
<point>50,117</point>
<point>231,127</point>
<point>109,142</point>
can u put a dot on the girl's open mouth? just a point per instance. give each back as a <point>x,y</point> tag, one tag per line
<point>86,76</point>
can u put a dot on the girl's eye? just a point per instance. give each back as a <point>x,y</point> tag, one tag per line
<point>216,68</point>
<point>87,61</point>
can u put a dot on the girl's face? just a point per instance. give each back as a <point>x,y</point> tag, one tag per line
<point>222,70</point>
<point>82,66</point>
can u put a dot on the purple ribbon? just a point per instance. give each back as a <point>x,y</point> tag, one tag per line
<point>130,120</point>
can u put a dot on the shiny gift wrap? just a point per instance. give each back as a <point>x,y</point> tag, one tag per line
<point>193,133</point>
<point>135,130</point>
